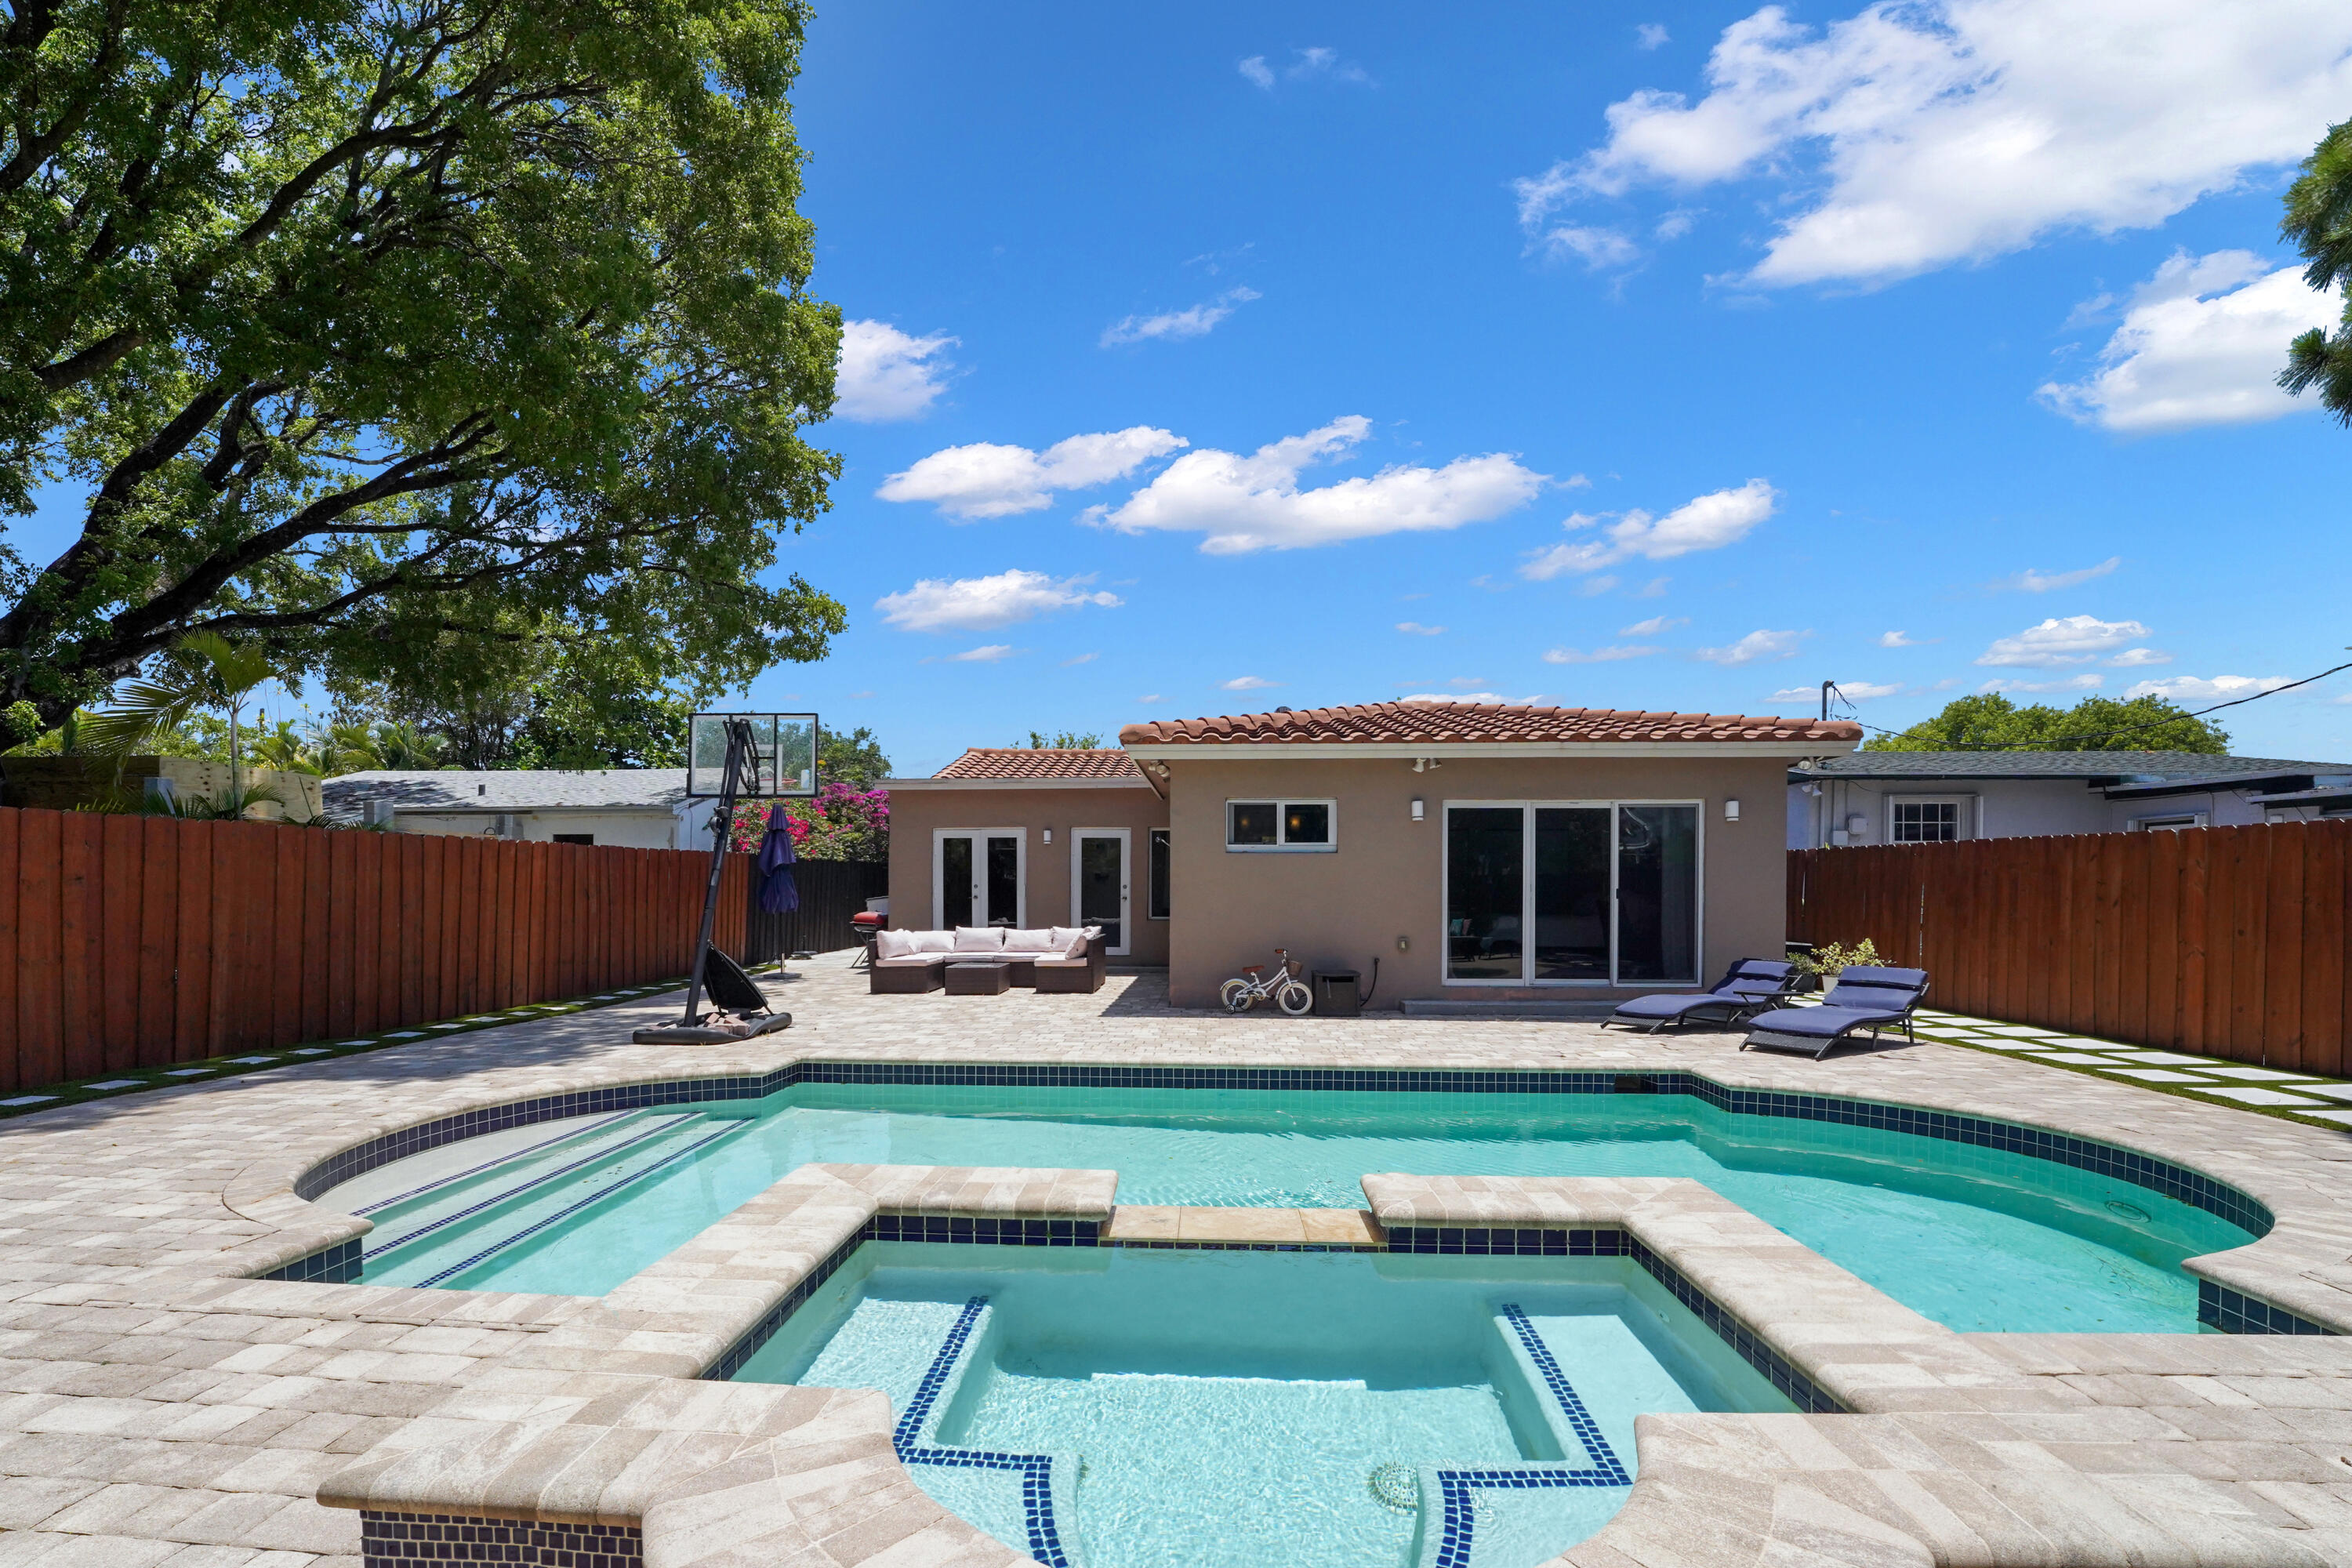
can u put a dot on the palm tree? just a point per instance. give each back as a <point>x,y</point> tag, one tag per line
<point>220,675</point>
<point>404,747</point>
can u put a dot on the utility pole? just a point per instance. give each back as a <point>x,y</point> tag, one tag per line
<point>1827,687</point>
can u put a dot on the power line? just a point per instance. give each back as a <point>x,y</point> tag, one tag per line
<point>2053,742</point>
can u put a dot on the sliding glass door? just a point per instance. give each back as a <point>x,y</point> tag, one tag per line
<point>1546,894</point>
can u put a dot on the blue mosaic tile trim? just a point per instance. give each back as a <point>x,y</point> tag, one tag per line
<point>1605,1462</point>
<point>338,1265</point>
<point>568,1210</point>
<point>1157,1246</point>
<point>1497,1242</point>
<point>954,1230</point>
<point>2218,1307</point>
<point>396,1540</point>
<point>1036,1470</point>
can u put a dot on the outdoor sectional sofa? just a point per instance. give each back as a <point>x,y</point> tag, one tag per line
<point>1055,958</point>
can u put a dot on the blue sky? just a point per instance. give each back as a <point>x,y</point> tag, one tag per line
<point>1215,357</point>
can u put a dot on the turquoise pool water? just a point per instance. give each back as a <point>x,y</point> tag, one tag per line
<point>1975,1238</point>
<point>1263,1410</point>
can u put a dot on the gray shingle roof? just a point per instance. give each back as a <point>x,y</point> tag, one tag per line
<point>508,789</point>
<point>2102,767</point>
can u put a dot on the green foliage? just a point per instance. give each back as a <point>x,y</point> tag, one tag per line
<point>841,823</point>
<point>1990,720</point>
<point>855,759</point>
<point>408,338</point>
<point>206,671</point>
<point>1067,741</point>
<point>2318,222</point>
<point>1830,960</point>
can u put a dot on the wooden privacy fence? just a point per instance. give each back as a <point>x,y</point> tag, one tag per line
<point>831,891</point>
<point>2224,941</point>
<point>142,940</point>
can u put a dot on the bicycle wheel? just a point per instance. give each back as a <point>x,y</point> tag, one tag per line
<point>1294,999</point>
<point>1235,995</point>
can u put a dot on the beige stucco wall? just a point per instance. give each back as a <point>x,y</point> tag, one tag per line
<point>1342,909</point>
<point>916,814</point>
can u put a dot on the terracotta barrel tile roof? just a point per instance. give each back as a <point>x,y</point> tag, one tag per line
<point>1030,762</point>
<point>1453,723</point>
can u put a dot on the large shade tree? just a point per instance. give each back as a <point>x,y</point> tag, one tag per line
<point>2318,222</point>
<point>382,332</point>
<point>1989,722</point>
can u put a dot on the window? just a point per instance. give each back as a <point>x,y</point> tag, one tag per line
<point>2170,823</point>
<point>1263,825</point>
<point>1928,821</point>
<point>575,838</point>
<point>1546,894</point>
<point>1156,894</point>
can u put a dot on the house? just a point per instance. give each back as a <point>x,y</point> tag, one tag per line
<point>1915,797</point>
<point>639,808</point>
<point>1469,851</point>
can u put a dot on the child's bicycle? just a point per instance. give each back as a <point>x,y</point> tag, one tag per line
<point>1282,987</point>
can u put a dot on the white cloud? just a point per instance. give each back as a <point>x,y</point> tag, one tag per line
<point>1708,522</point>
<point>2072,683</point>
<point>988,654</point>
<point>1196,323</point>
<point>1462,682</point>
<point>2136,657</point>
<point>990,480</point>
<point>886,374</point>
<point>1307,64</point>
<point>1755,648</point>
<point>1254,502</point>
<point>1257,72</point>
<point>2201,343</point>
<point>1155,697</point>
<point>2077,639</point>
<point>1247,683</point>
<point>1598,248</point>
<point>1654,588</point>
<point>1598,656</point>
<point>1082,658</point>
<point>983,604</point>
<point>1417,629</point>
<point>1854,690</point>
<point>1905,639</point>
<point>1916,133</point>
<point>2186,689</point>
<point>2035,582</point>
<point>1650,35</point>
<point>1593,587</point>
<point>1653,626</point>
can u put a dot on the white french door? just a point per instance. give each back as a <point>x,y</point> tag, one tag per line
<point>1099,880</point>
<point>978,876</point>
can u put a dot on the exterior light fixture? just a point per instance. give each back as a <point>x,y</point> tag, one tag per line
<point>1049,836</point>
<point>1404,944</point>
<point>1419,809</point>
<point>1730,811</point>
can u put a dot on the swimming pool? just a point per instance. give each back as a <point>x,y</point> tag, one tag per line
<point>1130,1409</point>
<point>1975,1237</point>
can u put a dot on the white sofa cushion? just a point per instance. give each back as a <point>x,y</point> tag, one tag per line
<point>979,938</point>
<point>1028,941</point>
<point>1068,942</point>
<point>893,943</point>
<point>933,940</point>
<point>911,961</point>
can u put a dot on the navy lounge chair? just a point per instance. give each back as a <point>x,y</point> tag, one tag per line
<point>1748,986</point>
<point>1865,997</point>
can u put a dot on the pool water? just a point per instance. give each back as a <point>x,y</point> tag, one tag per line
<point>1150,1409</point>
<point>1978,1239</point>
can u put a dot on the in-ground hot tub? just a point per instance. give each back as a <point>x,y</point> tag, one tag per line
<point>1131,1408</point>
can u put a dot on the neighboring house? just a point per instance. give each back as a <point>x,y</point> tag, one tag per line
<point>1475,852</point>
<point>639,808</point>
<point>1919,797</point>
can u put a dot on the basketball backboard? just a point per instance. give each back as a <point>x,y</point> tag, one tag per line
<point>783,759</point>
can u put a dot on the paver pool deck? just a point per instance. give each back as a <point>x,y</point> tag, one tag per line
<point>160,1406</point>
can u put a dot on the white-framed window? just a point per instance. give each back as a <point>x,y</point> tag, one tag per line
<point>2174,823</point>
<point>1279,827</point>
<point>1930,818</point>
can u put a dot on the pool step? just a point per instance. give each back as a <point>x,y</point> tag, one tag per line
<point>429,1236</point>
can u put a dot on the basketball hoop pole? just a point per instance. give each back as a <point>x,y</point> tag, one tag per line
<point>722,825</point>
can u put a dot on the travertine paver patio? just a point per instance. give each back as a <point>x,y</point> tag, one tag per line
<point>158,1405</point>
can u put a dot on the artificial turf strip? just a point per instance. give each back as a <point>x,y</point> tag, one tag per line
<point>2180,1090</point>
<point>123,1084</point>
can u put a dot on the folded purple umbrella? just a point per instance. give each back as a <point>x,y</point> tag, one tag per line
<point>779,894</point>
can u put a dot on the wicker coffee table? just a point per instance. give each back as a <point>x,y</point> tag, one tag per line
<point>983,977</point>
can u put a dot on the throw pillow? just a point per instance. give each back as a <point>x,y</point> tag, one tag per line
<point>934,940</point>
<point>977,939</point>
<point>1028,941</point>
<point>1068,940</point>
<point>894,944</point>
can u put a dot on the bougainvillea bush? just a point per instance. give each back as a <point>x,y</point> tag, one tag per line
<point>840,824</point>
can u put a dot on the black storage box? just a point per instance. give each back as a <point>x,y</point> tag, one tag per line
<point>1338,993</point>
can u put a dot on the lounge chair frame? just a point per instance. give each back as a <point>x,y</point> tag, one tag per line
<point>1877,1022</point>
<point>1717,1006</point>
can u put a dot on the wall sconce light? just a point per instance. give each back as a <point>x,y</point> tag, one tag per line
<point>1730,811</point>
<point>1049,836</point>
<point>1419,809</point>
<point>1424,764</point>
